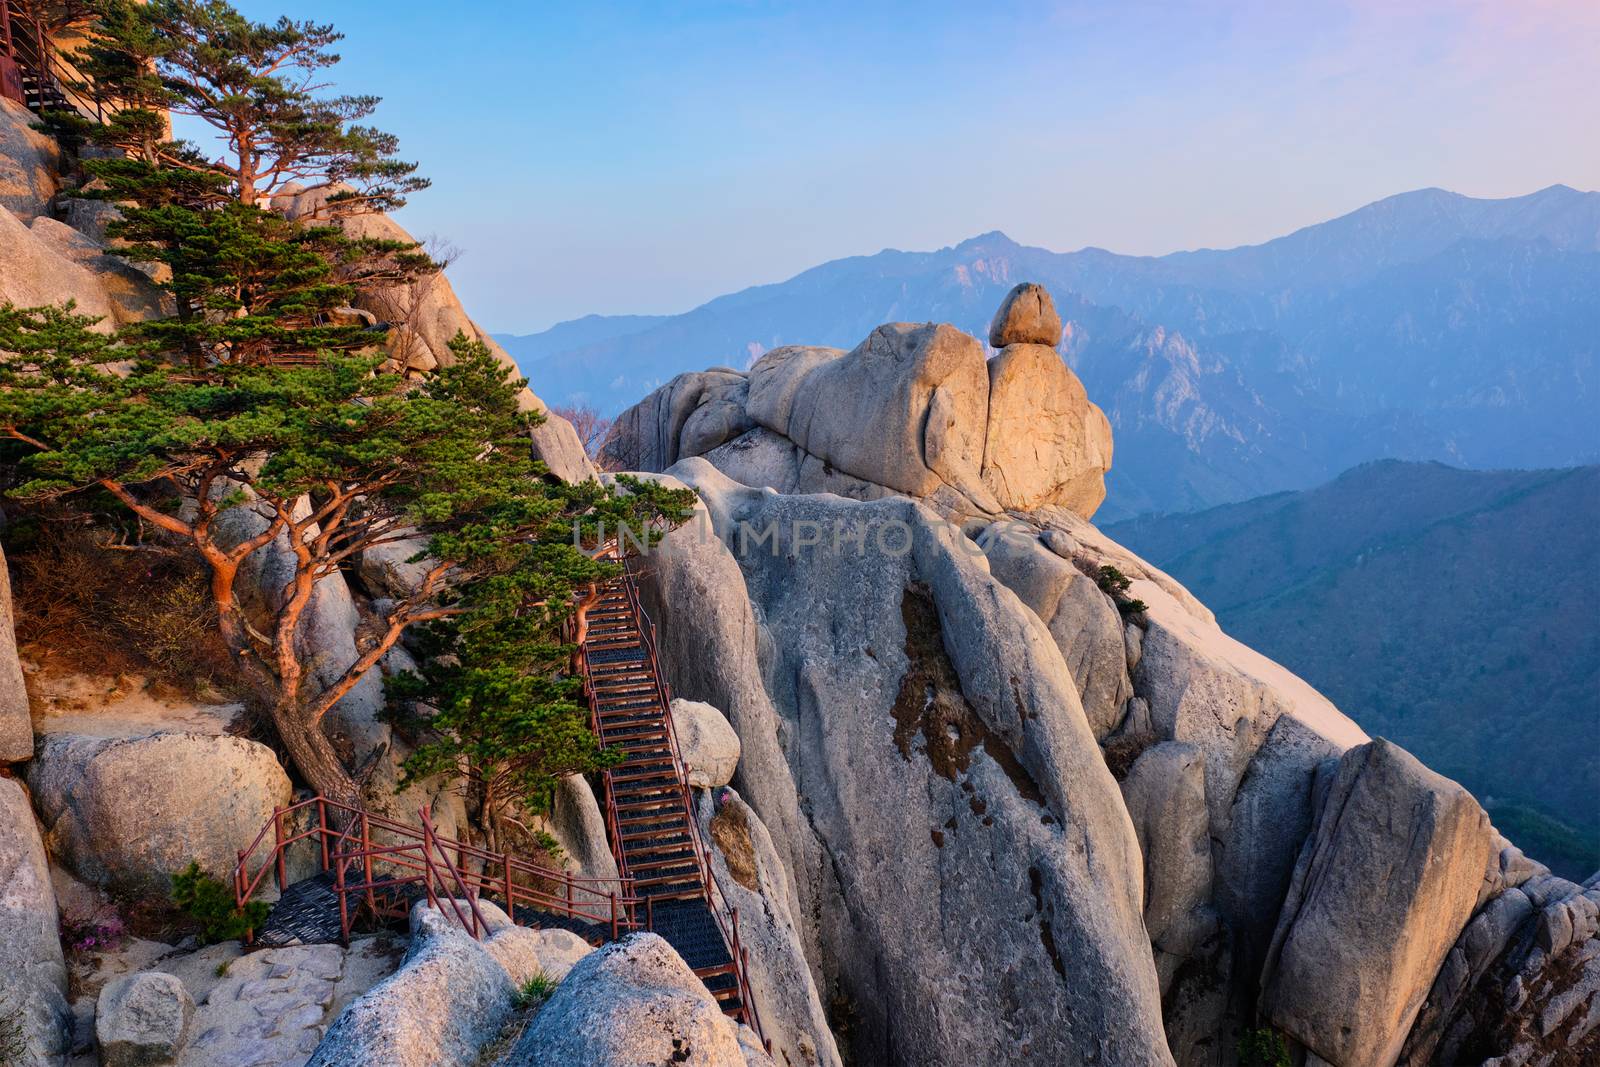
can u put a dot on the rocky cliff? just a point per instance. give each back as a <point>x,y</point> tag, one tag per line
<point>995,750</point>
<point>985,786</point>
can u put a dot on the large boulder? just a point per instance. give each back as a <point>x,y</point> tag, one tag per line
<point>28,163</point>
<point>132,294</point>
<point>578,826</point>
<point>921,755</point>
<point>394,569</point>
<point>450,997</point>
<point>689,416</point>
<point>708,744</point>
<point>1382,888</point>
<point>127,812</point>
<point>429,315</point>
<point>905,409</point>
<point>30,947</point>
<point>143,1020</point>
<point>1027,316</point>
<point>1045,442</point>
<point>751,879</point>
<point>33,272</point>
<point>630,1003</point>
<point>16,726</point>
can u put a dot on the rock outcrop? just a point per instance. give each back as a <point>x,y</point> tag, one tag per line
<point>449,998</point>
<point>127,812</point>
<point>689,416</point>
<point>33,272</point>
<point>941,803</point>
<point>143,1020</point>
<point>28,163</point>
<point>35,971</point>
<point>1387,880</point>
<point>132,295</point>
<point>629,1003</point>
<point>1166,798</point>
<point>1521,985</point>
<point>708,744</point>
<point>751,879</point>
<point>272,1006</point>
<point>913,410</point>
<point>16,725</point>
<point>576,822</point>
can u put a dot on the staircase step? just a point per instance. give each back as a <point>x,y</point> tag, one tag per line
<point>689,881</point>
<point>672,802</point>
<point>646,857</point>
<point>653,834</point>
<point>664,770</point>
<point>610,688</point>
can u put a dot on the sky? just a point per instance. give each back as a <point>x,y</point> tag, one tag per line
<point>643,158</point>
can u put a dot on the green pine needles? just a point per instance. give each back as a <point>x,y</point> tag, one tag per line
<point>332,458</point>
<point>209,903</point>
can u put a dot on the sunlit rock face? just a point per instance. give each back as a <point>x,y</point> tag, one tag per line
<point>915,409</point>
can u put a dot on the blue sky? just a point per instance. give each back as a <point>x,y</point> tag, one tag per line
<point>616,158</point>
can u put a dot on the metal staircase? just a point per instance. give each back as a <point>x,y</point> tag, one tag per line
<point>33,71</point>
<point>649,810</point>
<point>380,867</point>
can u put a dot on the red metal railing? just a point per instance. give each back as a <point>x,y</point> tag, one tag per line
<point>34,70</point>
<point>391,858</point>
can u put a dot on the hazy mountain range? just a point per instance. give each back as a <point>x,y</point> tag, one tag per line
<point>1452,611</point>
<point>1425,326</point>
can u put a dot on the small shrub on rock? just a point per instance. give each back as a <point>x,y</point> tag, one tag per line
<point>209,903</point>
<point>101,931</point>
<point>1263,1047</point>
<point>1114,584</point>
<point>535,989</point>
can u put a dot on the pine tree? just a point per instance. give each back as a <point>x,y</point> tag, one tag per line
<point>250,286</point>
<point>333,458</point>
<point>256,85</point>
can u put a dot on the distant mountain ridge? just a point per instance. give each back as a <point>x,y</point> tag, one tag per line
<point>1428,325</point>
<point>1425,601</point>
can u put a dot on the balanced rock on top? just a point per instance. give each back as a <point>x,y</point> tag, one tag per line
<point>1027,316</point>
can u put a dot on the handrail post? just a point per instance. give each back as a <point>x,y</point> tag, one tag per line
<point>366,861</point>
<point>344,905</point>
<point>613,916</point>
<point>322,829</point>
<point>511,905</point>
<point>277,847</point>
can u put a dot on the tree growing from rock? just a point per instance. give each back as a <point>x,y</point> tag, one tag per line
<point>324,461</point>
<point>256,84</point>
<point>249,285</point>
